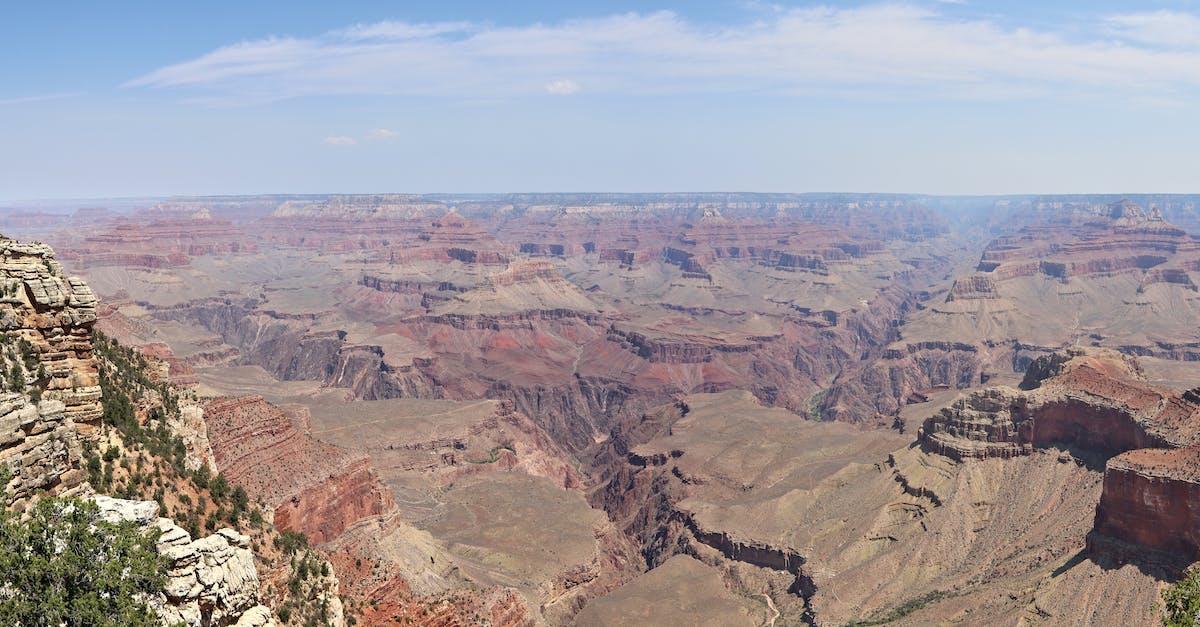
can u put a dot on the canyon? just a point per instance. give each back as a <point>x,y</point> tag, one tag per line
<point>583,408</point>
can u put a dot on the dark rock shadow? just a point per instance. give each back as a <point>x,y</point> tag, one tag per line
<point>1112,554</point>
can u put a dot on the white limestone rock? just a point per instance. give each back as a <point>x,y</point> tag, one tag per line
<point>210,580</point>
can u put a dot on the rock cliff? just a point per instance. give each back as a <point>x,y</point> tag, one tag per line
<point>315,488</point>
<point>53,399</point>
<point>1098,402</point>
<point>1095,399</point>
<point>55,314</point>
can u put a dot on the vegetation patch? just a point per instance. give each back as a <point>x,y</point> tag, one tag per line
<point>65,565</point>
<point>493,455</point>
<point>906,608</point>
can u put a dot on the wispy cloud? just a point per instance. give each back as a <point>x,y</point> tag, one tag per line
<point>882,49</point>
<point>379,134</point>
<point>38,98</point>
<point>1171,29</point>
<point>562,87</point>
<point>401,30</point>
<point>339,140</point>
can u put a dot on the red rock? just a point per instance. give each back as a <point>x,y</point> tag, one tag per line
<point>1095,399</point>
<point>1152,498</point>
<point>315,488</point>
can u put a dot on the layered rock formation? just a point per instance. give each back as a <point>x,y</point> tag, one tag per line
<point>314,488</point>
<point>1095,399</point>
<point>55,314</point>
<point>47,351</point>
<point>1115,276</point>
<point>1152,498</point>
<point>40,445</point>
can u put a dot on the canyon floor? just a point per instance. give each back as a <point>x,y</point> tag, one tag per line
<point>688,408</point>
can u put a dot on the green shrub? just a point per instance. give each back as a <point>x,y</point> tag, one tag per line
<point>67,566</point>
<point>1181,601</point>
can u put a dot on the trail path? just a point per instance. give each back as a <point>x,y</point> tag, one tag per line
<point>771,604</point>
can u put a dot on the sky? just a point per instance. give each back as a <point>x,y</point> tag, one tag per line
<point>121,99</point>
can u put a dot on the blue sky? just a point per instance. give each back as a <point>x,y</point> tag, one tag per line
<point>156,98</point>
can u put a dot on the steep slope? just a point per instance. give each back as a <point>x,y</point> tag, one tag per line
<point>313,488</point>
<point>1021,522</point>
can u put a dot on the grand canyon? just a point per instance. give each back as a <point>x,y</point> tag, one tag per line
<point>605,409</point>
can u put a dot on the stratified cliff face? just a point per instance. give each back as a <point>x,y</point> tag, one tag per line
<point>1094,399</point>
<point>47,320</point>
<point>55,314</point>
<point>41,446</point>
<point>1152,498</point>
<point>315,488</point>
<point>1099,401</point>
<point>1115,276</point>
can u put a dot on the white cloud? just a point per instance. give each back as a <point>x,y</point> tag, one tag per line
<point>401,30</point>
<point>562,87</point>
<point>382,133</point>
<point>882,50</point>
<point>339,140</point>
<point>1171,29</point>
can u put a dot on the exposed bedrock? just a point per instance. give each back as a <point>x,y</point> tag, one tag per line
<point>312,487</point>
<point>976,286</point>
<point>210,581</point>
<point>284,346</point>
<point>756,553</point>
<point>46,319</point>
<point>1152,498</point>
<point>1094,399</point>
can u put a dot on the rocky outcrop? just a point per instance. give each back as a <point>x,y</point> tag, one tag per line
<point>1098,401</point>
<point>55,314</point>
<point>211,581</point>
<point>53,399</point>
<point>315,488</point>
<point>40,446</point>
<point>1094,399</point>
<point>976,286</point>
<point>190,426</point>
<point>1152,498</point>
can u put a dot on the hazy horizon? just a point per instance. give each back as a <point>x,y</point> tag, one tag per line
<point>73,203</point>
